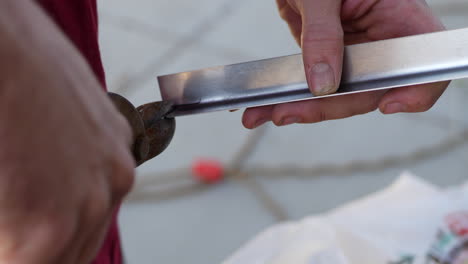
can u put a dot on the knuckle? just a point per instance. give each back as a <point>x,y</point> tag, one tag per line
<point>316,116</point>
<point>373,100</point>
<point>248,121</point>
<point>322,32</point>
<point>317,113</point>
<point>321,116</point>
<point>308,112</point>
<point>283,13</point>
<point>98,204</point>
<point>277,118</point>
<point>281,111</point>
<point>123,178</point>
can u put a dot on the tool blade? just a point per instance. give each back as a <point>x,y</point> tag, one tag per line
<point>371,66</point>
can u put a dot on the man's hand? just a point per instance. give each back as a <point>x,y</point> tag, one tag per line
<point>65,163</point>
<point>322,28</point>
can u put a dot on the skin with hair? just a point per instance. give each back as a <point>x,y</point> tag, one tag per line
<point>65,163</point>
<point>322,28</point>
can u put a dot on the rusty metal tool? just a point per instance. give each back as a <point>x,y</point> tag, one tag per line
<point>152,129</point>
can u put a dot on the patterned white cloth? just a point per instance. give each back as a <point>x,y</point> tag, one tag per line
<point>410,222</point>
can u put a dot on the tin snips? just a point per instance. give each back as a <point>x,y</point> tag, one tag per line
<point>152,129</point>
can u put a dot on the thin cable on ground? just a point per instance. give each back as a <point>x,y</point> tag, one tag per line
<point>402,160</point>
<point>238,172</point>
<point>420,155</point>
<point>240,158</point>
<point>180,179</point>
<point>266,200</point>
<point>235,172</point>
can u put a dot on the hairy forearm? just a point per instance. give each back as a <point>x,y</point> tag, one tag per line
<point>41,71</point>
<point>28,35</point>
<point>37,59</point>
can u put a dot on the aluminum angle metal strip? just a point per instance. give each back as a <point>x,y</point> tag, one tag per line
<point>371,66</point>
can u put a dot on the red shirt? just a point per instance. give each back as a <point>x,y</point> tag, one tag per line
<point>78,20</point>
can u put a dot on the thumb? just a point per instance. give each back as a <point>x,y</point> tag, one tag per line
<point>322,45</point>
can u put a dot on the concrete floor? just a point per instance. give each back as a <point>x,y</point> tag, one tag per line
<point>291,172</point>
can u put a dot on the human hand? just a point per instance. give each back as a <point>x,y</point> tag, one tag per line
<point>322,28</point>
<point>65,163</point>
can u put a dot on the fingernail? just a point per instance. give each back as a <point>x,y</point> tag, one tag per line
<point>289,121</point>
<point>260,122</point>
<point>393,108</point>
<point>322,79</point>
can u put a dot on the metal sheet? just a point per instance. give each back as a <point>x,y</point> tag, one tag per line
<point>371,66</point>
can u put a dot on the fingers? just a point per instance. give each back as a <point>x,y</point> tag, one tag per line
<point>322,44</point>
<point>322,41</point>
<point>413,99</point>
<point>314,111</point>
<point>332,108</point>
<point>255,117</point>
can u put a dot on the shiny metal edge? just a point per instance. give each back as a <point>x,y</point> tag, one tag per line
<point>372,66</point>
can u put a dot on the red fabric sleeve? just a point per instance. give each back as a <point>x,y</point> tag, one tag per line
<point>79,21</point>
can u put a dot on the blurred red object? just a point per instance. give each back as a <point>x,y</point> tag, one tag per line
<point>208,171</point>
<point>458,223</point>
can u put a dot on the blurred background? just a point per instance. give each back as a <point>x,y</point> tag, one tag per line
<point>275,174</point>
